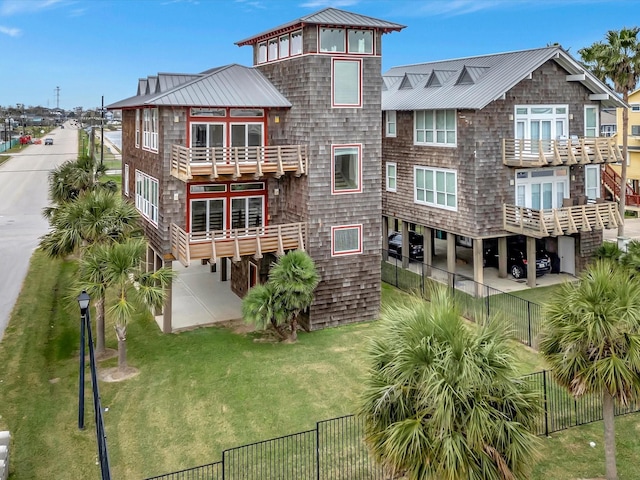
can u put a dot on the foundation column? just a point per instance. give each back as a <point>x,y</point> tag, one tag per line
<point>451,258</point>
<point>502,257</point>
<point>531,262</point>
<point>385,236</point>
<point>427,248</point>
<point>478,267</point>
<point>406,250</point>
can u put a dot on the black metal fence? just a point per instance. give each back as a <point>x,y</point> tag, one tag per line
<point>477,301</point>
<point>335,449</point>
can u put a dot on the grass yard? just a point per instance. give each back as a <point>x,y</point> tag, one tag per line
<point>199,392</point>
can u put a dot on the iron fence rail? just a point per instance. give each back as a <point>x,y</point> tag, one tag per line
<point>478,302</point>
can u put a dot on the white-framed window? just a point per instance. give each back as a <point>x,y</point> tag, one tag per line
<point>147,196</point>
<point>436,187</point>
<point>540,124</point>
<point>346,240</point>
<point>296,43</point>
<point>137,128</point>
<point>390,122</point>
<point>150,129</point>
<point>392,176</point>
<point>272,53</point>
<point>284,46</point>
<point>360,41</point>
<point>125,180</point>
<point>247,212</point>
<point>592,181</point>
<point>591,127</point>
<point>207,134</point>
<point>346,168</point>
<point>635,107</point>
<point>247,134</point>
<point>346,81</point>
<point>435,127</point>
<point>207,214</point>
<point>542,188</point>
<point>262,52</point>
<point>332,40</point>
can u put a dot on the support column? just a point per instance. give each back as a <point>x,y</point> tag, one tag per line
<point>451,257</point>
<point>531,262</point>
<point>478,266</point>
<point>502,257</point>
<point>167,326</point>
<point>406,250</point>
<point>385,236</point>
<point>157,265</point>
<point>427,249</point>
<point>224,266</point>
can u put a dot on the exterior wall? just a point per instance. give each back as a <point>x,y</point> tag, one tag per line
<point>350,285</point>
<point>586,245</point>
<point>483,181</point>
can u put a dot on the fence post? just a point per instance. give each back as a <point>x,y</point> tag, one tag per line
<point>486,296</point>
<point>529,322</point>
<point>317,450</point>
<point>546,409</point>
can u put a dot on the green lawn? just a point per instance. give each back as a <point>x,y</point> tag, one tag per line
<point>197,393</point>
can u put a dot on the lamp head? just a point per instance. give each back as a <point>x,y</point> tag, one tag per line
<point>83,301</point>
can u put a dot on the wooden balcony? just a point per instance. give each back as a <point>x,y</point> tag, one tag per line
<point>569,151</point>
<point>561,221</point>
<point>236,243</point>
<point>233,162</point>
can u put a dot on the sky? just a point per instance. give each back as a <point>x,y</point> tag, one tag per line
<point>71,53</point>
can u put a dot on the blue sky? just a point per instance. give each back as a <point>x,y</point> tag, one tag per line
<point>91,48</point>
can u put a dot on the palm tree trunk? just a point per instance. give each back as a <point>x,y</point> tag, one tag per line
<point>623,170</point>
<point>609,436</point>
<point>100,313</point>
<point>121,333</point>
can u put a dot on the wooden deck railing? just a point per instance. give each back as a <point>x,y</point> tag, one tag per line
<point>212,162</point>
<point>570,151</point>
<point>611,181</point>
<point>561,221</point>
<point>236,242</point>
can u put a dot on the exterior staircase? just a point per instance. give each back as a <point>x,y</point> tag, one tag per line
<point>611,183</point>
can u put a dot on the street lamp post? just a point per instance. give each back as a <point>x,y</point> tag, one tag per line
<point>83,301</point>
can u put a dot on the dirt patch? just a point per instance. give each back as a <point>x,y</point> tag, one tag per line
<point>116,374</point>
<point>107,354</point>
<point>237,326</point>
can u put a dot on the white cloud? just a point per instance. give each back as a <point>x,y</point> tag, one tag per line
<point>12,32</point>
<point>13,7</point>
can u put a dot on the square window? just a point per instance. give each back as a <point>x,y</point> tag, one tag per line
<point>360,41</point>
<point>346,81</point>
<point>332,40</point>
<point>435,127</point>
<point>346,169</point>
<point>435,187</point>
<point>346,240</point>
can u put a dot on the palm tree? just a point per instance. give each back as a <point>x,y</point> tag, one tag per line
<point>94,217</point>
<point>261,308</point>
<point>591,341</point>
<point>444,400</point>
<point>69,180</point>
<point>618,61</point>
<point>294,278</point>
<point>118,267</point>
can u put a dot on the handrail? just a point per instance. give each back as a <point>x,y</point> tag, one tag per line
<point>611,179</point>
<point>237,242</point>
<point>569,151</point>
<point>235,161</point>
<point>561,221</point>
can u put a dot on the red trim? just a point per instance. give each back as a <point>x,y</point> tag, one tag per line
<point>348,252</point>
<point>348,59</point>
<point>333,169</point>
<point>227,121</point>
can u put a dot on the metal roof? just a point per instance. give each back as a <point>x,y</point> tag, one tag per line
<point>474,82</point>
<point>229,86</point>
<point>331,17</point>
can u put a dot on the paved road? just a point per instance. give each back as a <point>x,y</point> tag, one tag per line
<point>23,195</point>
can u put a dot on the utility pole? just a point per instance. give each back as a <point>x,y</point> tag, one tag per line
<point>57,98</point>
<point>102,132</point>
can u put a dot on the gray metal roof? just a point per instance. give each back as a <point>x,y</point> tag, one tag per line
<point>332,17</point>
<point>474,82</point>
<point>230,86</point>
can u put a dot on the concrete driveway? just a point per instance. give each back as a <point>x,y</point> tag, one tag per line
<point>24,193</point>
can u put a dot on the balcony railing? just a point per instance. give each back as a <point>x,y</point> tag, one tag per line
<point>569,151</point>
<point>212,162</point>
<point>554,222</point>
<point>237,242</point>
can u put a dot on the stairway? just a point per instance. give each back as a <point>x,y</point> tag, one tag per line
<point>611,182</point>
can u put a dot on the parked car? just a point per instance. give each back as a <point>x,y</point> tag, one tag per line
<point>416,245</point>
<point>517,257</point>
<point>48,141</point>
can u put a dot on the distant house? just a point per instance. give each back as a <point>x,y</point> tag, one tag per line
<point>633,159</point>
<point>484,148</point>
<point>236,165</point>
